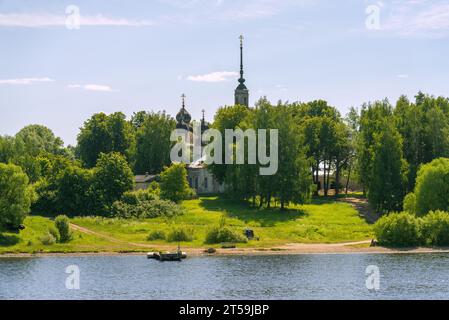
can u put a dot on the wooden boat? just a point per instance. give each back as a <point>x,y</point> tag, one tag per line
<point>167,256</point>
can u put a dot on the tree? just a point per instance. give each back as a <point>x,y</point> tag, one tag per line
<point>16,196</point>
<point>292,181</point>
<point>228,117</point>
<point>103,134</point>
<point>388,176</point>
<point>432,188</point>
<point>50,167</point>
<point>6,148</point>
<point>74,194</point>
<point>372,119</point>
<point>153,143</point>
<point>28,145</point>
<point>62,224</point>
<point>174,185</point>
<point>326,138</point>
<point>111,178</point>
<point>424,126</point>
<point>34,139</point>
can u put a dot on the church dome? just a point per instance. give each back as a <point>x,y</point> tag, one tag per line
<point>183,116</point>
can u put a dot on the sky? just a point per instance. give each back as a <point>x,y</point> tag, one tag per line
<point>62,61</point>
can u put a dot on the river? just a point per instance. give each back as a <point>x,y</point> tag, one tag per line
<point>321,276</point>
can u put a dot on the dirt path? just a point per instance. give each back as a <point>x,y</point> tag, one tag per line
<point>289,248</point>
<point>115,240</point>
<point>363,207</point>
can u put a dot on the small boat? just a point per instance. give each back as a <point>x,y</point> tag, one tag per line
<point>167,255</point>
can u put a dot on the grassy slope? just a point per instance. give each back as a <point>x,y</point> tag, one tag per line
<point>323,221</point>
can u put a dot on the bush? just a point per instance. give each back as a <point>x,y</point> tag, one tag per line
<point>398,229</point>
<point>156,235</point>
<point>174,185</point>
<point>180,234</point>
<point>435,228</point>
<point>47,239</point>
<point>135,197</point>
<point>142,204</point>
<point>54,232</point>
<point>410,203</point>
<point>63,226</point>
<point>224,234</point>
<point>15,196</point>
<point>432,187</point>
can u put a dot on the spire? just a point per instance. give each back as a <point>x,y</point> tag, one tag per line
<point>241,80</point>
<point>241,95</point>
<point>183,97</point>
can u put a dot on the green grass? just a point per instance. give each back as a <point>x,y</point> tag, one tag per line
<point>322,221</point>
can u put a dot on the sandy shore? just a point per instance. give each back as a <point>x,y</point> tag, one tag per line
<point>287,249</point>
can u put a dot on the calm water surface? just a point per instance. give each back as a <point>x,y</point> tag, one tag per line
<point>330,276</point>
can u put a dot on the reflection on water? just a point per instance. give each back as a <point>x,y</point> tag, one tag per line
<point>330,276</point>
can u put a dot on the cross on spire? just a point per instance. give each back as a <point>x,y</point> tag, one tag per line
<point>241,80</point>
<point>183,97</point>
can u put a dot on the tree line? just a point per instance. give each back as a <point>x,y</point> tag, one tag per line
<point>381,146</point>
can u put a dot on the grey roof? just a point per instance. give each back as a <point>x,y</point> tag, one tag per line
<point>144,178</point>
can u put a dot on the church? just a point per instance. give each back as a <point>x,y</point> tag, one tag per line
<point>200,179</point>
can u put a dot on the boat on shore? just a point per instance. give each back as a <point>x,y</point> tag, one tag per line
<point>167,255</point>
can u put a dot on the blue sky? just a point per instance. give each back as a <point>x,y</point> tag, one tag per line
<point>145,54</point>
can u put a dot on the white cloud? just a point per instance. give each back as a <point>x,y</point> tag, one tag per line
<point>33,20</point>
<point>418,19</point>
<point>218,76</point>
<point>281,87</point>
<point>25,81</point>
<point>91,87</point>
<point>403,76</point>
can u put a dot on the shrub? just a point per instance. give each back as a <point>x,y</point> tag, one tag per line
<point>54,232</point>
<point>16,196</point>
<point>435,228</point>
<point>180,234</point>
<point>174,185</point>
<point>47,239</point>
<point>432,187</point>
<point>142,204</point>
<point>410,203</point>
<point>135,197</point>
<point>398,229</point>
<point>154,188</point>
<point>156,235</point>
<point>63,226</point>
<point>224,234</point>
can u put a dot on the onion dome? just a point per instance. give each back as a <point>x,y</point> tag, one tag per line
<point>183,117</point>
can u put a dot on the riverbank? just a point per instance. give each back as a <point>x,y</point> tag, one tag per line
<point>325,220</point>
<point>360,247</point>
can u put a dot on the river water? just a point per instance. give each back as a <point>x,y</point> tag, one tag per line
<point>321,276</point>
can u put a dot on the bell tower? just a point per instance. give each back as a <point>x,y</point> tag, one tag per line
<point>241,93</point>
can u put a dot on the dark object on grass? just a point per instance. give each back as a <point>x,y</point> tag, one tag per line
<point>21,227</point>
<point>373,243</point>
<point>249,233</point>
<point>210,250</point>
